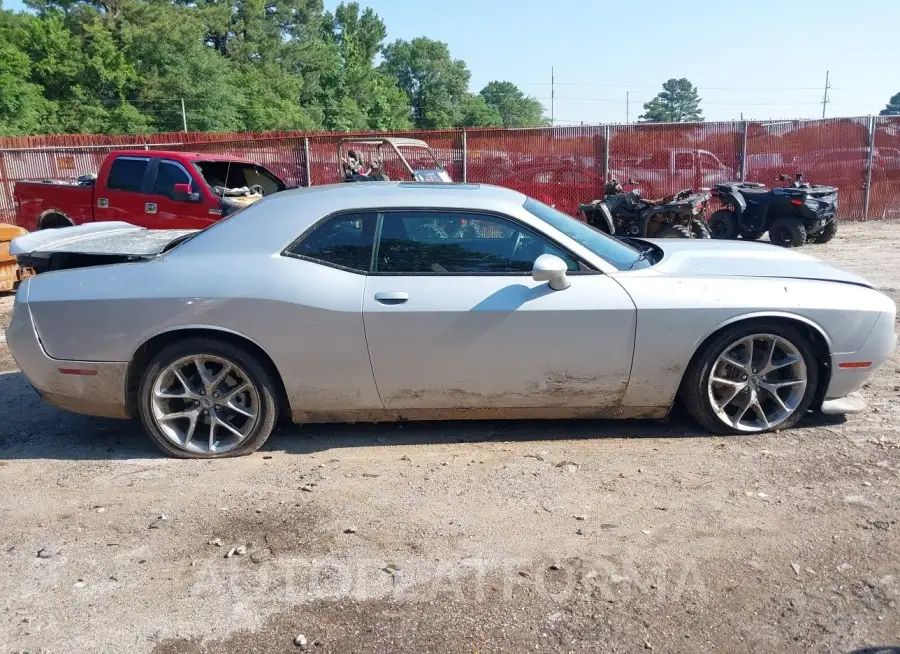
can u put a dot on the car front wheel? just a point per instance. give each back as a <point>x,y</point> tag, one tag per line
<point>203,399</point>
<point>751,379</point>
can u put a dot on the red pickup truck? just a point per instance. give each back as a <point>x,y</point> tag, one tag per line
<point>147,188</point>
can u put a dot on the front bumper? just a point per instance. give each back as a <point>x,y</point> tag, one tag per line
<point>850,370</point>
<point>89,387</point>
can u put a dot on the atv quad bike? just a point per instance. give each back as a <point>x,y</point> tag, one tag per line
<point>622,213</point>
<point>793,215</point>
<point>412,159</point>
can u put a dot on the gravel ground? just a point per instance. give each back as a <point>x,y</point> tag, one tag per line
<point>458,537</point>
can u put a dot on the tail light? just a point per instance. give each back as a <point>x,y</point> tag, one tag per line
<point>797,202</point>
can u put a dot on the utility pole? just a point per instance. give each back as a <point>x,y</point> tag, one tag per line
<point>552,97</point>
<point>825,99</point>
<point>183,115</point>
<point>627,106</point>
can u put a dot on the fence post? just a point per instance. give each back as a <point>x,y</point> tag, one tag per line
<point>870,161</point>
<point>606,132</point>
<point>744,152</point>
<point>7,190</point>
<point>465,149</point>
<point>306,167</point>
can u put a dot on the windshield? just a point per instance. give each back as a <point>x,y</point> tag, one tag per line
<point>619,254</point>
<point>225,175</point>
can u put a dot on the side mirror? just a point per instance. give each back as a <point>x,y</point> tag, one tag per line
<point>182,193</point>
<point>550,268</point>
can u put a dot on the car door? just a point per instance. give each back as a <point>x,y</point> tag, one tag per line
<point>454,319</point>
<point>166,210</point>
<point>122,197</point>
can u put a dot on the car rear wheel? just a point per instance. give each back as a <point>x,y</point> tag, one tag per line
<point>788,233</point>
<point>826,234</point>
<point>723,224</point>
<point>205,399</point>
<point>751,379</point>
<point>673,231</point>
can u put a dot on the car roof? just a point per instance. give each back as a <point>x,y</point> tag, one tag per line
<point>276,220</point>
<point>176,154</point>
<point>397,141</point>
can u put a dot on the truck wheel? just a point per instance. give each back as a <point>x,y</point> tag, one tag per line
<point>723,224</point>
<point>54,221</point>
<point>673,231</point>
<point>826,234</point>
<point>787,232</point>
<point>699,229</point>
<point>202,398</point>
<point>751,236</point>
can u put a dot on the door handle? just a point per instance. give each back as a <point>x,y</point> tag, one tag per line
<point>392,297</point>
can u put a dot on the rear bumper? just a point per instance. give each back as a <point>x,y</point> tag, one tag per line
<point>88,387</point>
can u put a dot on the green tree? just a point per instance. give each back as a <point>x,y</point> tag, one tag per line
<point>514,107</point>
<point>435,83</point>
<point>354,94</point>
<point>474,111</point>
<point>678,102</point>
<point>23,108</point>
<point>893,107</point>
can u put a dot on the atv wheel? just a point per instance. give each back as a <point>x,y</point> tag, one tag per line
<point>673,231</point>
<point>788,233</point>
<point>699,228</point>
<point>723,224</point>
<point>751,236</point>
<point>826,234</point>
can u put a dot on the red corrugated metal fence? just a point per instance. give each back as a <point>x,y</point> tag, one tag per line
<point>563,166</point>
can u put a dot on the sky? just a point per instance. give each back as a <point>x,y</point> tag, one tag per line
<point>761,59</point>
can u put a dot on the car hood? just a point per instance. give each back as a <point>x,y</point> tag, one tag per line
<point>704,258</point>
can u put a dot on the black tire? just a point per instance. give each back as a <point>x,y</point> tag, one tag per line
<point>256,374</point>
<point>826,234</point>
<point>723,224</point>
<point>751,236</point>
<point>673,231</point>
<point>694,390</point>
<point>787,232</point>
<point>700,229</point>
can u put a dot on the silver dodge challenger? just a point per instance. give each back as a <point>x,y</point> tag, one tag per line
<point>409,301</point>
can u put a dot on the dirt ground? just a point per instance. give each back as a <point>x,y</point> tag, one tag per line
<point>459,537</point>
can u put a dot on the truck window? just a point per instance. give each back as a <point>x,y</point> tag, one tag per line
<point>168,175</point>
<point>127,174</point>
<point>684,161</point>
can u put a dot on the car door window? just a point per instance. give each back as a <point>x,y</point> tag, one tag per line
<point>168,174</point>
<point>344,241</point>
<point>127,174</point>
<point>423,242</point>
<point>570,177</point>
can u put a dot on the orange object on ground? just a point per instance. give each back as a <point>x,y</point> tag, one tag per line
<point>10,272</point>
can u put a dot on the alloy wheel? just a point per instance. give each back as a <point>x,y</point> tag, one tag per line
<point>757,382</point>
<point>205,404</point>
